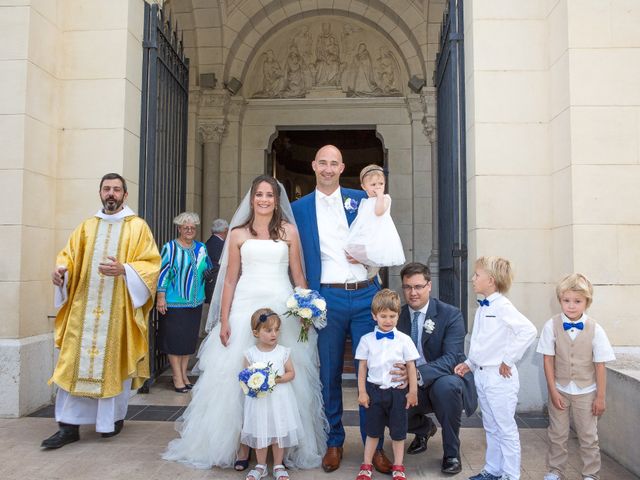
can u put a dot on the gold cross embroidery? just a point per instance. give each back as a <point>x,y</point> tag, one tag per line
<point>98,312</point>
<point>94,352</point>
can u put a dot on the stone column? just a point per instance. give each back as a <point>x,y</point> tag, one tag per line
<point>210,134</point>
<point>434,259</point>
<point>429,120</point>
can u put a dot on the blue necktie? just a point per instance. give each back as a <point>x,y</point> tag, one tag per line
<point>380,335</point>
<point>578,325</point>
<point>414,327</point>
<point>484,303</point>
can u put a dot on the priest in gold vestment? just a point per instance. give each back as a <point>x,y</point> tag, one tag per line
<point>106,280</point>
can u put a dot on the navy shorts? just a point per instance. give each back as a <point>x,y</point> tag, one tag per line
<point>387,408</point>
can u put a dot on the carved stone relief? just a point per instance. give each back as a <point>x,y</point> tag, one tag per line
<point>326,55</point>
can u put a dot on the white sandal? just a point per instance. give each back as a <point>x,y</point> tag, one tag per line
<point>257,473</point>
<point>280,472</point>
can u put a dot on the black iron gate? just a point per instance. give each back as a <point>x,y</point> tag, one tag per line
<point>163,140</point>
<point>452,198</point>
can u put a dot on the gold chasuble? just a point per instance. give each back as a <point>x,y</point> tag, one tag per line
<point>102,338</point>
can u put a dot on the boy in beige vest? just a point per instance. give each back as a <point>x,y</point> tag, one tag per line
<point>575,349</point>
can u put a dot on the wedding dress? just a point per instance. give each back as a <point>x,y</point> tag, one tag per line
<point>211,425</point>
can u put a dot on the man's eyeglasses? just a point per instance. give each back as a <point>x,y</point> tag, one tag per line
<point>188,229</point>
<point>417,288</point>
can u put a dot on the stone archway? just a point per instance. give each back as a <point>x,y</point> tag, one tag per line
<point>229,132</point>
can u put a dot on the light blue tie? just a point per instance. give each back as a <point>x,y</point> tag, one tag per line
<point>414,327</point>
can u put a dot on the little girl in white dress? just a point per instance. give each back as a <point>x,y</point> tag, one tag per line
<point>373,239</point>
<point>273,420</point>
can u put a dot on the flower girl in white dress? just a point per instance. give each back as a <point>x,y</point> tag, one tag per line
<point>270,420</point>
<point>373,239</point>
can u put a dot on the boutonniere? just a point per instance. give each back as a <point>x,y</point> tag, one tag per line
<point>350,205</point>
<point>429,326</point>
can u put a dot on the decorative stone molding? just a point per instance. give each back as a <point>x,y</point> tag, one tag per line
<point>211,131</point>
<point>214,99</point>
<point>194,98</point>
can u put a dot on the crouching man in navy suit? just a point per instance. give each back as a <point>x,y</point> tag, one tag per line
<point>323,219</point>
<point>438,331</point>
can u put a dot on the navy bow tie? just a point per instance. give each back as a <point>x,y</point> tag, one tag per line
<point>567,325</point>
<point>484,303</point>
<point>380,335</point>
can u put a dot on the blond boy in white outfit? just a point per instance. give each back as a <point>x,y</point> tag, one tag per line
<point>501,335</point>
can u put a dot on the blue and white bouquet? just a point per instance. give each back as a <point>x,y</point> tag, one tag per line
<point>257,380</point>
<point>310,308</point>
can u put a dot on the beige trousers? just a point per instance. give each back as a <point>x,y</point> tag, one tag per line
<point>586,425</point>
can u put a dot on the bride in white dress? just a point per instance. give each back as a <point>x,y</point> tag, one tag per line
<point>259,254</point>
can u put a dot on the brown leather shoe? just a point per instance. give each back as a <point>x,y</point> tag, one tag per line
<point>381,463</point>
<point>331,460</point>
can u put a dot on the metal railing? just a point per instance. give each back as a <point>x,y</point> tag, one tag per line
<point>163,141</point>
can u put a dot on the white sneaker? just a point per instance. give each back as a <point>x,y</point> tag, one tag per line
<point>588,478</point>
<point>551,476</point>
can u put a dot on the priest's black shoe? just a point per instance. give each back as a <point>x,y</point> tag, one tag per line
<point>117,428</point>
<point>419,443</point>
<point>66,434</point>
<point>451,465</point>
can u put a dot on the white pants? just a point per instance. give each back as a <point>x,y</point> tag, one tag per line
<point>498,397</point>
<point>103,412</point>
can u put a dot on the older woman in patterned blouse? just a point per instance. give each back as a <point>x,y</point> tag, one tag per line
<point>185,264</point>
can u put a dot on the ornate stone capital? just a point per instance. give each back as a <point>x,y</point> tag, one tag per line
<point>429,102</point>
<point>430,131</point>
<point>211,131</point>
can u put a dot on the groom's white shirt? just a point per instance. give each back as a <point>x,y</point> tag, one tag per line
<point>333,229</point>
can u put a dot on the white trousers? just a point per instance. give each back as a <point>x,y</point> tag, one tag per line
<point>498,397</point>
<point>103,412</point>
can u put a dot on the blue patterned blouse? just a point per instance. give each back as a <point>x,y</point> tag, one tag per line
<point>181,274</point>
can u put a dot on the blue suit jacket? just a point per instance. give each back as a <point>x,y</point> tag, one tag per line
<point>443,348</point>
<point>304,210</point>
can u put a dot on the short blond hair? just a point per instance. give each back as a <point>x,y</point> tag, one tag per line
<point>385,299</point>
<point>499,269</point>
<point>370,171</point>
<point>187,217</point>
<point>576,282</point>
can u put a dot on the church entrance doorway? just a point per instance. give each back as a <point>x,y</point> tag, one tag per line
<point>290,158</point>
<point>293,150</point>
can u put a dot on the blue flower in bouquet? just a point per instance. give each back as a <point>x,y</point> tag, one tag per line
<point>309,306</point>
<point>257,380</point>
<point>350,205</point>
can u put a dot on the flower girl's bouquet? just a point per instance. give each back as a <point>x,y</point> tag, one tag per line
<point>257,380</point>
<point>310,307</point>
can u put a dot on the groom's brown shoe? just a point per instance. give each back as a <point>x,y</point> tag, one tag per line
<point>331,460</point>
<point>381,463</point>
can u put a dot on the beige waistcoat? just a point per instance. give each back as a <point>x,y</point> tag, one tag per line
<point>574,359</point>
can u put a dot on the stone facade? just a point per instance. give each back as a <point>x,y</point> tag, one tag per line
<point>553,163</point>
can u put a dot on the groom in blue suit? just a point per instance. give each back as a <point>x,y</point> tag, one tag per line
<point>323,219</point>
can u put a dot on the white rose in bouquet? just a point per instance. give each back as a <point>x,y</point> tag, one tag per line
<point>256,380</point>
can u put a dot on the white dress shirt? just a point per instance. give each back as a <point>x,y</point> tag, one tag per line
<point>382,354</point>
<point>421,319</point>
<point>501,334</point>
<point>602,350</point>
<point>333,229</point>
